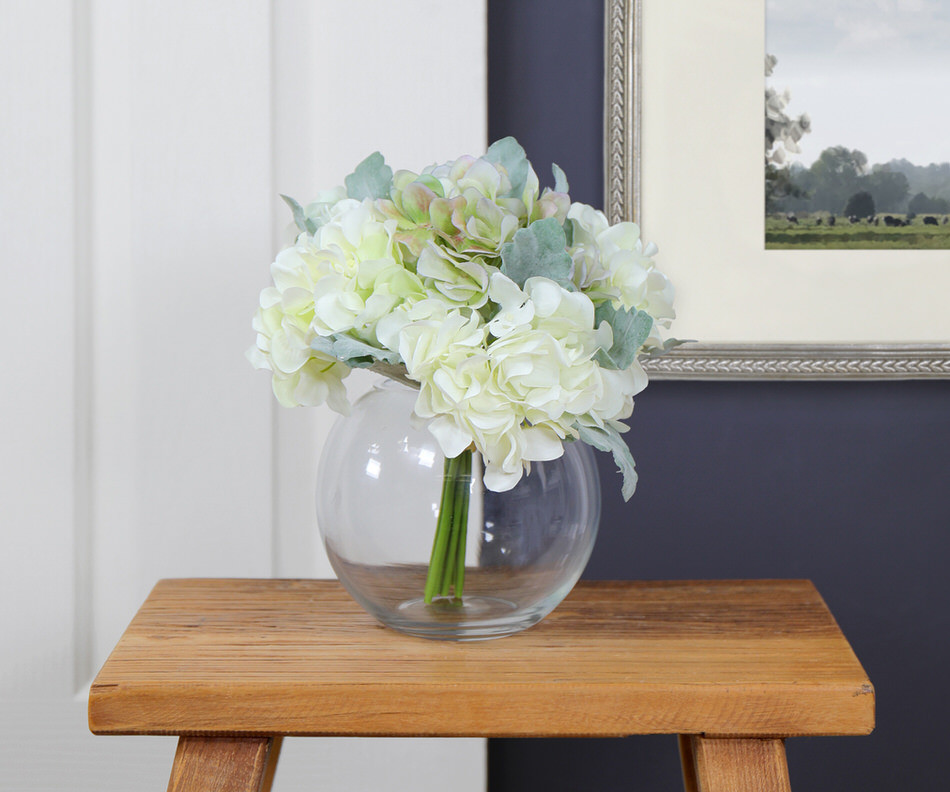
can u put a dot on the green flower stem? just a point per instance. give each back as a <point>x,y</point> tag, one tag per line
<point>463,529</point>
<point>447,563</point>
<point>437,560</point>
<point>459,519</point>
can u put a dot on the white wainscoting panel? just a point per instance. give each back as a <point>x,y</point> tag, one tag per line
<point>181,201</point>
<point>37,411</point>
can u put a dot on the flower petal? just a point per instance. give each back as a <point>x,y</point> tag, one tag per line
<point>452,439</point>
<point>497,480</point>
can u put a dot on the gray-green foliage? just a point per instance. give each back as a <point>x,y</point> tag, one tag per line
<point>608,439</point>
<point>568,229</point>
<point>303,222</point>
<point>538,250</point>
<point>657,350</point>
<point>508,153</point>
<point>373,178</point>
<point>630,328</point>
<point>352,351</point>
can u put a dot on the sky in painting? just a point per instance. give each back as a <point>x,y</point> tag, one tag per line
<point>873,75</point>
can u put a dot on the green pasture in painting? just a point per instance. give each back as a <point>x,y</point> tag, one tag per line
<point>806,232</point>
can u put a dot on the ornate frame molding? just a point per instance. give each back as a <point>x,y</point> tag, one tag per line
<point>815,362</point>
<point>622,155</point>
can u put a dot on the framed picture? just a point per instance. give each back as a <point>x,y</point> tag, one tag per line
<point>684,131</point>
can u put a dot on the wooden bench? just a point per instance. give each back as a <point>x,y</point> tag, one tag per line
<point>733,667</point>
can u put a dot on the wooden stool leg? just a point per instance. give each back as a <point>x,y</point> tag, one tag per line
<point>720,764</point>
<point>272,756</point>
<point>688,763</point>
<point>224,764</point>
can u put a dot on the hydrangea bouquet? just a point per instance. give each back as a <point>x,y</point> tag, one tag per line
<point>517,314</point>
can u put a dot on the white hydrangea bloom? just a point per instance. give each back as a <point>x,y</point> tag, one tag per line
<point>519,397</point>
<point>438,337</point>
<point>515,309</point>
<point>542,357</point>
<point>301,376</point>
<point>474,174</point>
<point>612,263</point>
<point>458,279</point>
<point>616,397</point>
<point>360,275</point>
<point>484,220</point>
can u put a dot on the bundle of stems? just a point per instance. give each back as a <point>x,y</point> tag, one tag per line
<point>447,563</point>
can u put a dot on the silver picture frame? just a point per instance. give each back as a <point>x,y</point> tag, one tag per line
<point>695,361</point>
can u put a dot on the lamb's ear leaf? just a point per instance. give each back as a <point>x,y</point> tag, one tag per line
<point>538,250</point>
<point>303,222</point>
<point>608,439</point>
<point>666,346</point>
<point>568,229</point>
<point>353,352</point>
<point>508,153</point>
<point>560,179</point>
<point>631,328</point>
<point>322,344</point>
<point>373,178</point>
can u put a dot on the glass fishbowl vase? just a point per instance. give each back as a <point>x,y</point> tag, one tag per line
<point>423,546</point>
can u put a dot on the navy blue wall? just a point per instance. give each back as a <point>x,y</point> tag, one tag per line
<point>847,484</point>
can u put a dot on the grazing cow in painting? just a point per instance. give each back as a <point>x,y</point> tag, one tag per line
<point>818,222</point>
<point>891,221</point>
<point>791,218</point>
<point>930,220</point>
<point>831,220</point>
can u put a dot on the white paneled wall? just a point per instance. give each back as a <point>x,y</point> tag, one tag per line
<point>142,147</point>
<point>181,183</point>
<point>37,311</point>
<point>407,79</point>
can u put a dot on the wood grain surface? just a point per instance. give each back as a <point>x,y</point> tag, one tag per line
<point>733,765</point>
<point>223,764</point>
<point>271,657</point>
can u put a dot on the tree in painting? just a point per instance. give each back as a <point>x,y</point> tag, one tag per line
<point>782,134</point>
<point>921,203</point>
<point>861,204</point>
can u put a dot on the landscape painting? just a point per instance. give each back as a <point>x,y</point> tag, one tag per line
<point>857,124</point>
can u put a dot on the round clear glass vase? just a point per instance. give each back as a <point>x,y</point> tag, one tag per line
<point>380,491</point>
